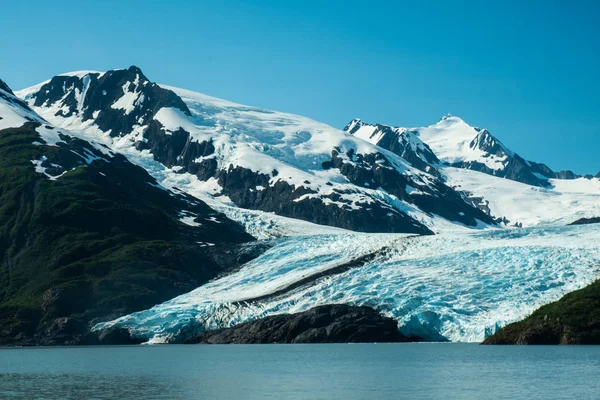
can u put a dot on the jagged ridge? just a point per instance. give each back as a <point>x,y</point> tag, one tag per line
<point>459,145</point>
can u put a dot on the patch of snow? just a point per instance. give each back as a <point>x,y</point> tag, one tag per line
<point>130,100</point>
<point>87,156</point>
<point>189,220</point>
<point>42,170</point>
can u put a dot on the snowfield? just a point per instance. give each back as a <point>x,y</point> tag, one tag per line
<point>566,201</point>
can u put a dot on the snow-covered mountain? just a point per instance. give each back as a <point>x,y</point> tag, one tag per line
<point>373,178</point>
<point>255,158</point>
<point>472,161</point>
<point>457,144</point>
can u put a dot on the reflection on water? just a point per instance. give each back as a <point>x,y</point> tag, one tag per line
<point>374,371</point>
<point>82,386</point>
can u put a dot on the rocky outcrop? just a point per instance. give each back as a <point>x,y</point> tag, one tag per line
<point>574,319</point>
<point>585,221</point>
<point>240,184</point>
<point>516,169</point>
<point>566,174</point>
<point>117,101</point>
<point>4,86</point>
<point>400,141</point>
<point>336,323</point>
<point>375,170</point>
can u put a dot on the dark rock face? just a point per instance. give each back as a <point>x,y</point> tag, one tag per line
<point>96,95</point>
<point>337,323</point>
<point>574,319</point>
<point>178,149</point>
<point>116,336</point>
<point>374,170</point>
<point>584,221</point>
<point>7,95</point>
<point>4,86</point>
<point>566,174</point>
<point>240,185</point>
<point>368,171</point>
<point>515,167</point>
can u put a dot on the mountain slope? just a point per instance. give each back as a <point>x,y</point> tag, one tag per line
<point>85,235</point>
<point>563,202</point>
<point>254,158</point>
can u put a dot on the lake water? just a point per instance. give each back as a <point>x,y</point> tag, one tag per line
<point>340,371</point>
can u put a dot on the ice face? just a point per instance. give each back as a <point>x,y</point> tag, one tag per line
<point>446,287</point>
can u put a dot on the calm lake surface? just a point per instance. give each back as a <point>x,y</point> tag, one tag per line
<point>340,371</point>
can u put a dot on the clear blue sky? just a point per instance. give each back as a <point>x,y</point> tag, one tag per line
<point>526,70</point>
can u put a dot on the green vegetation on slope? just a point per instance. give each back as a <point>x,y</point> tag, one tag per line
<point>101,241</point>
<point>574,319</point>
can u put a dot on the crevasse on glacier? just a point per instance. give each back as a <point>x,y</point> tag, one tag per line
<point>460,287</point>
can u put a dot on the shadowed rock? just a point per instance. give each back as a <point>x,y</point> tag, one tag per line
<point>335,323</point>
<point>584,221</point>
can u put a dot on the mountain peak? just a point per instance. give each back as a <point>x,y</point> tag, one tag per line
<point>450,119</point>
<point>117,100</point>
<point>353,125</point>
<point>135,69</point>
<point>5,87</point>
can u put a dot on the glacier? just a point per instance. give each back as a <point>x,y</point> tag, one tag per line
<point>458,287</point>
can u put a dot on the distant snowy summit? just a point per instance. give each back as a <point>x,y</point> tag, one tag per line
<point>455,143</point>
<point>370,178</point>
